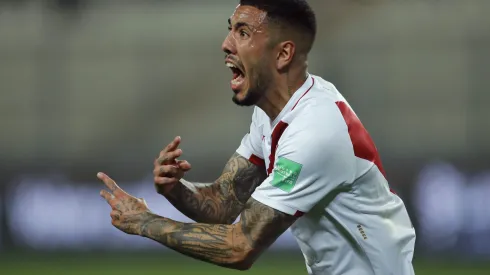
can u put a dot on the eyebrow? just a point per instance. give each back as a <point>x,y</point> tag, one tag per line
<point>238,24</point>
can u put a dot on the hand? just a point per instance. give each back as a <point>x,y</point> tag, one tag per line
<point>128,213</point>
<point>168,170</point>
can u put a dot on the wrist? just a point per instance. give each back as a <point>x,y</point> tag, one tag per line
<point>143,226</point>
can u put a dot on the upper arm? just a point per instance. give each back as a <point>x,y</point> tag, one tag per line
<point>244,171</point>
<point>222,201</point>
<point>260,226</point>
<point>238,181</point>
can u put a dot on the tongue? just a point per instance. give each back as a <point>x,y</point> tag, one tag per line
<point>237,82</point>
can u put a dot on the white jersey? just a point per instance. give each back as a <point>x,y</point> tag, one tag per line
<point>323,167</point>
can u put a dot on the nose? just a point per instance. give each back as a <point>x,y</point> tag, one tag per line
<point>228,45</point>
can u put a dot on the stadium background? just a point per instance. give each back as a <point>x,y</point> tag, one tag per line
<point>100,85</point>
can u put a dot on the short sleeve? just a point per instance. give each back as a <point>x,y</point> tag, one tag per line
<point>310,164</point>
<point>251,144</point>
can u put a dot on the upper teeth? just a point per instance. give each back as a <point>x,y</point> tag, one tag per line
<point>229,65</point>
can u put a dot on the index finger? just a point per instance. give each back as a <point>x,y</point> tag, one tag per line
<point>111,184</point>
<point>172,145</point>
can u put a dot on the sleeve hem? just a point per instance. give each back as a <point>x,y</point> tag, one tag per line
<point>246,153</point>
<point>278,206</point>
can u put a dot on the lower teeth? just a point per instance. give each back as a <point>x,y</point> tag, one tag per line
<point>236,81</point>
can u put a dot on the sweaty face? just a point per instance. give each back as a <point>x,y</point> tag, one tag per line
<point>248,55</point>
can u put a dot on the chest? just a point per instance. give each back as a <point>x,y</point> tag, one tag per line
<point>270,137</point>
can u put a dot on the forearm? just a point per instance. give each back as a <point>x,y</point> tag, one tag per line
<point>209,203</point>
<point>222,245</point>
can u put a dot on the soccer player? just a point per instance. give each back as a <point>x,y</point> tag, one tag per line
<point>307,164</point>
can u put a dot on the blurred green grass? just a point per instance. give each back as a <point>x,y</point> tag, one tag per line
<point>172,263</point>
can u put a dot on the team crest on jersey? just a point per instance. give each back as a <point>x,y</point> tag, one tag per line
<point>285,174</point>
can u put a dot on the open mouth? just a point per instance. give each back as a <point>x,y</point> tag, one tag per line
<point>238,77</point>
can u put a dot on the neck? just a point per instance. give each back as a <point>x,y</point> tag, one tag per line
<point>281,92</point>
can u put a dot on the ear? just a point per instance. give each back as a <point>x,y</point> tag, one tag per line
<point>285,54</point>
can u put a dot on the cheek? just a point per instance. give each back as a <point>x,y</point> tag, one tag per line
<point>249,52</point>
<point>258,69</point>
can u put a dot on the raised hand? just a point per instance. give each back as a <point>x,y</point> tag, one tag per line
<point>128,213</point>
<point>168,171</point>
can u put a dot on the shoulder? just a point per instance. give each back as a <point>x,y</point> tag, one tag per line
<point>319,138</point>
<point>317,122</point>
<point>319,111</point>
<point>321,145</point>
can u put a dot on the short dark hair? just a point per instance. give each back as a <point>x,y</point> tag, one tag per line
<point>293,13</point>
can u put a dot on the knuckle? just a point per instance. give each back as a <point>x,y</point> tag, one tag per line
<point>115,216</point>
<point>156,171</point>
<point>163,159</point>
<point>167,170</point>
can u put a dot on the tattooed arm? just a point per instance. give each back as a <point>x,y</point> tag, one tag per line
<point>234,246</point>
<point>222,201</point>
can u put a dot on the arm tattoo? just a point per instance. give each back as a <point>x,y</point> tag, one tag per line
<point>221,202</point>
<point>262,225</point>
<point>234,246</point>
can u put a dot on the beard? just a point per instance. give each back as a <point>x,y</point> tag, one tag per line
<point>259,80</point>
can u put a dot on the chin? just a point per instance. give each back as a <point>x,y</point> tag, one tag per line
<point>245,98</point>
<point>240,101</point>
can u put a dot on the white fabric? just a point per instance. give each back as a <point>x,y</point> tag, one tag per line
<point>353,224</point>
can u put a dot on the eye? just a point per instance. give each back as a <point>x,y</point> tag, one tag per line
<point>243,33</point>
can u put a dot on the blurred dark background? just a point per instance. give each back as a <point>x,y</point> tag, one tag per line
<point>104,85</point>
